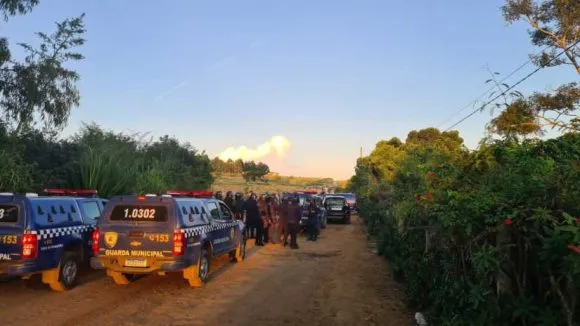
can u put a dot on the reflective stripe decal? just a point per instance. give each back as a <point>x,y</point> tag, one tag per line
<point>59,232</point>
<point>197,230</point>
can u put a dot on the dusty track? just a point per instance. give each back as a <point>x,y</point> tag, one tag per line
<point>335,281</point>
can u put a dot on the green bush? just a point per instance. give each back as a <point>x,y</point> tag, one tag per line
<point>479,238</point>
<point>112,163</point>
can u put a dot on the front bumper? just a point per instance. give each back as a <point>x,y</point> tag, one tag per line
<point>117,264</point>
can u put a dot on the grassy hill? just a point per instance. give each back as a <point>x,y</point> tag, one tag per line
<point>272,183</point>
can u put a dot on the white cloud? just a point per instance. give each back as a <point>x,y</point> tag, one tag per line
<point>277,145</point>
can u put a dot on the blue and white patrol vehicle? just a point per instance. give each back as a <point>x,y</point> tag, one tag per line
<point>181,231</point>
<point>48,234</point>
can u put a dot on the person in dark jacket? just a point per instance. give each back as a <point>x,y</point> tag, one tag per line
<point>313,222</point>
<point>239,206</point>
<point>294,215</point>
<point>253,218</point>
<point>230,201</point>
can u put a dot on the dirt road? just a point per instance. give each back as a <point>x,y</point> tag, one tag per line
<point>335,281</point>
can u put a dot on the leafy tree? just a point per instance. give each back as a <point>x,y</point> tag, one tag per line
<point>250,170</point>
<point>518,119</point>
<point>184,166</point>
<point>434,139</point>
<point>40,85</point>
<point>384,158</point>
<point>554,26</point>
<point>255,171</point>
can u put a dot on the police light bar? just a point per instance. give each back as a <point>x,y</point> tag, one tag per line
<point>70,192</point>
<point>194,194</point>
<point>307,192</point>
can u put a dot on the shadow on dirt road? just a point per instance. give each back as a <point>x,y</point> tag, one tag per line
<point>335,281</point>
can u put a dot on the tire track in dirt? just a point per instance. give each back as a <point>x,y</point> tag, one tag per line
<point>335,281</point>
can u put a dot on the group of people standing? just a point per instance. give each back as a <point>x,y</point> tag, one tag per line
<point>272,218</point>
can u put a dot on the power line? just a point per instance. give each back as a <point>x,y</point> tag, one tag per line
<point>484,93</point>
<point>513,86</point>
<point>489,90</point>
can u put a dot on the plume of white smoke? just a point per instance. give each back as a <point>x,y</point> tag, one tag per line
<point>277,145</point>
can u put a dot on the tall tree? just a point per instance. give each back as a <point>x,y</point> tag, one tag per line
<point>39,84</point>
<point>555,27</point>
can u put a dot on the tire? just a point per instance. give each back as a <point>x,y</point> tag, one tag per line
<point>68,272</point>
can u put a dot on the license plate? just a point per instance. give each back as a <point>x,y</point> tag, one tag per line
<point>136,262</point>
<point>336,209</point>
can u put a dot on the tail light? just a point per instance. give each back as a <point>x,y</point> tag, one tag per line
<point>178,243</point>
<point>29,246</point>
<point>95,246</point>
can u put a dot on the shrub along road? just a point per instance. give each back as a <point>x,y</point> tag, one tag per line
<point>336,281</point>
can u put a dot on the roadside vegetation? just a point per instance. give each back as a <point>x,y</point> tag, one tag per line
<point>489,236</point>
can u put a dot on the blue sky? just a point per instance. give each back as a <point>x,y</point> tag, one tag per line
<point>329,75</point>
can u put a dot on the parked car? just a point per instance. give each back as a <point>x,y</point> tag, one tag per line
<point>351,200</point>
<point>337,208</point>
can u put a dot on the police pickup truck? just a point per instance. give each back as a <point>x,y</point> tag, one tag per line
<point>48,234</point>
<point>181,231</point>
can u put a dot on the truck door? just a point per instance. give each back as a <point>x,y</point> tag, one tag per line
<point>219,236</point>
<point>232,229</point>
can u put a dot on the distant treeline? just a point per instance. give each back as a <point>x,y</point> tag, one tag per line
<point>251,171</point>
<point>259,171</point>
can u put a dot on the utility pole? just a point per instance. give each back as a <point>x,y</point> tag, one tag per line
<point>361,152</point>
